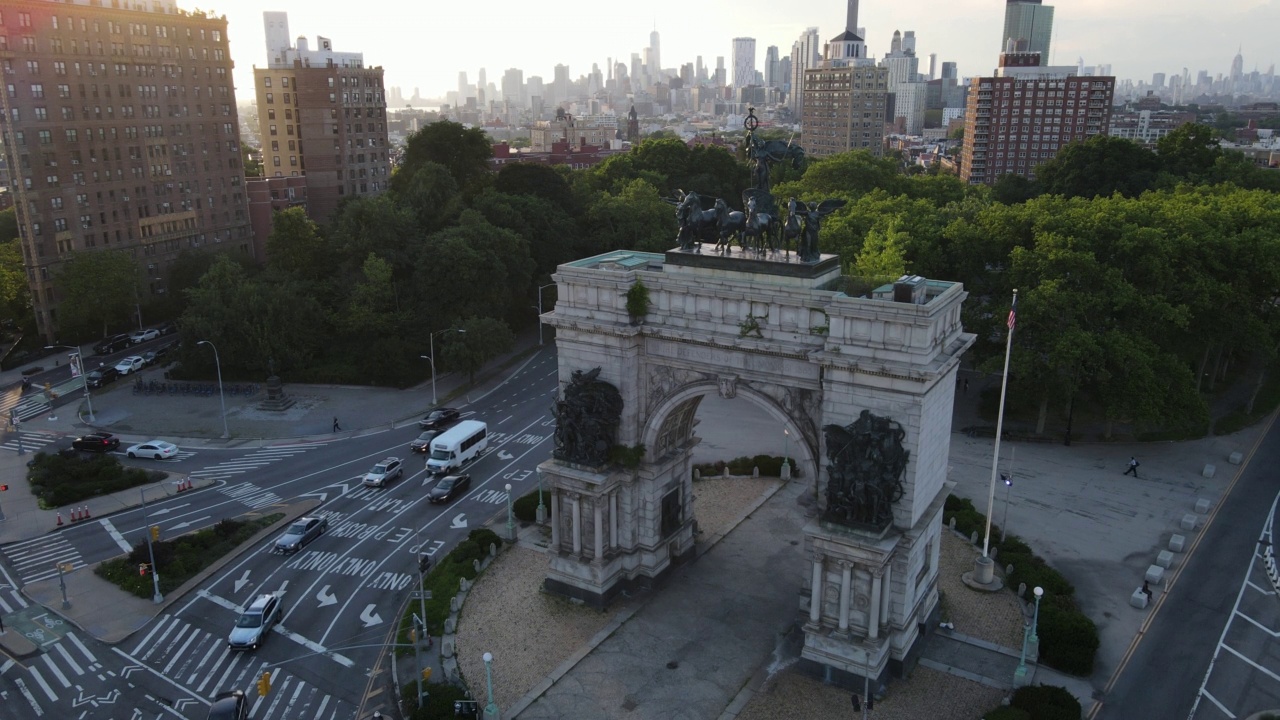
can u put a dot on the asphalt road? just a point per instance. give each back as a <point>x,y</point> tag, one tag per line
<point>342,593</point>
<point>1170,671</point>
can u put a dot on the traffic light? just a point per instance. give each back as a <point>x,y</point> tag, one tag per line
<point>264,684</point>
<point>413,633</point>
<point>426,674</point>
<point>3,488</point>
<point>155,533</point>
<point>142,569</point>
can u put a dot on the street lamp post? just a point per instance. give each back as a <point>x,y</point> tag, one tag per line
<point>432,359</point>
<point>490,710</point>
<point>1035,622</point>
<point>542,509</point>
<point>1004,523</point>
<point>511,518</point>
<point>786,450</point>
<point>544,287</point>
<point>157,598</point>
<point>222,398</point>
<point>84,378</point>
<point>1028,635</point>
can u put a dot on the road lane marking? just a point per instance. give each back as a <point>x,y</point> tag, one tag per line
<point>35,675</point>
<point>182,651</point>
<point>70,660</point>
<point>22,688</point>
<point>76,641</point>
<point>175,684</point>
<point>48,661</point>
<point>146,640</point>
<point>115,535</point>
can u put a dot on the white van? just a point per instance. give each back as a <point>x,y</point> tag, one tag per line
<point>458,446</point>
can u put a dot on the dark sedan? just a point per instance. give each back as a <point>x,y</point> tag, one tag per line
<point>448,488</point>
<point>439,419</point>
<point>101,376</point>
<point>422,443</point>
<point>96,442</point>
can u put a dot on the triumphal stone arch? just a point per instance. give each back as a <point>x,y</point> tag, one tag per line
<point>863,385</point>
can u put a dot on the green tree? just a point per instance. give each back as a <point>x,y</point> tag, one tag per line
<point>15,296</point>
<point>249,155</point>
<point>1190,151</point>
<point>850,174</point>
<point>636,218</point>
<point>882,254</point>
<point>1101,165</point>
<point>8,225</point>
<point>464,151</point>
<point>481,340</point>
<point>473,269</point>
<point>374,329</point>
<point>1011,189</point>
<point>432,195</point>
<point>296,246</point>
<point>374,224</point>
<point>550,233</point>
<point>99,292</point>
<point>542,181</point>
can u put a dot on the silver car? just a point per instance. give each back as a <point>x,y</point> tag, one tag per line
<point>255,622</point>
<point>301,532</point>
<point>384,472</point>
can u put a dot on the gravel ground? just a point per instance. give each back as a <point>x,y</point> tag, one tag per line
<point>507,602</point>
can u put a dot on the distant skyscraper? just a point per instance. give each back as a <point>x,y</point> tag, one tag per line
<point>1029,25</point>
<point>1157,80</point>
<point>1237,66</point>
<point>909,41</point>
<point>744,62</point>
<point>949,70</point>
<point>655,56</point>
<point>560,84</point>
<point>513,88</point>
<point>933,65</point>
<point>805,54</point>
<point>771,78</point>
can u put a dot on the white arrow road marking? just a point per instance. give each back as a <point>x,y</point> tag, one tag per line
<point>459,521</point>
<point>179,526</point>
<point>166,511</point>
<point>325,597</point>
<point>111,697</point>
<point>370,618</point>
<point>283,585</point>
<point>242,581</point>
<point>504,455</point>
<point>323,496</point>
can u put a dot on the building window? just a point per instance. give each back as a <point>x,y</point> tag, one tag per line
<point>272,130</point>
<point>266,82</point>
<point>271,97</point>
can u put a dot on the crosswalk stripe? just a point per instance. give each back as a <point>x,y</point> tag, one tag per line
<point>147,640</point>
<point>226,653</point>
<point>178,655</point>
<point>35,675</point>
<point>79,645</point>
<point>67,656</point>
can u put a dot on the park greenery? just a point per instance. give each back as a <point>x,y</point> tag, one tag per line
<point>1146,280</point>
<point>181,558</point>
<point>62,478</point>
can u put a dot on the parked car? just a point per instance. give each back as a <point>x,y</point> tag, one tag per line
<point>141,336</point>
<point>301,532</point>
<point>439,419</point>
<point>96,442</point>
<point>229,705</point>
<point>449,487</point>
<point>384,472</point>
<point>167,328</point>
<point>133,363</point>
<point>422,444</point>
<point>154,449</point>
<point>255,622</point>
<point>101,376</point>
<point>111,344</point>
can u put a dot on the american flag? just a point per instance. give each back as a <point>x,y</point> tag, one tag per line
<point>1013,313</point>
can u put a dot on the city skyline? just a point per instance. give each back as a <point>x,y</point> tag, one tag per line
<point>1136,39</point>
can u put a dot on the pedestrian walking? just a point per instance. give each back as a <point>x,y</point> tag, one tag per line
<point>1146,589</point>
<point>1133,465</point>
<point>966,386</point>
<point>336,427</point>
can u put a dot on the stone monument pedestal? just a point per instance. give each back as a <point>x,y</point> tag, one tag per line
<point>277,400</point>
<point>614,528</point>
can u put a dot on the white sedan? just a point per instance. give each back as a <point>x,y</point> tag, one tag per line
<point>133,363</point>
<point>141,336</point>
<point>154,449</point>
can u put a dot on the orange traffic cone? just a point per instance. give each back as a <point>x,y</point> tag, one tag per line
<point>75,514</point>
<point>85,516</point>
<point>59,519</point>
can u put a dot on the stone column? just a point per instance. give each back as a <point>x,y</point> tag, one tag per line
<point>846,590</point>
<point>815,598</point>
<point>886,595</point>
<point>555,520</point>
<point>873,626</point>
<point>577,525</point>
<point>598,513</point>
<point>613,519</point>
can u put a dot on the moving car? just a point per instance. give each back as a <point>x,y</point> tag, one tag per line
<point>384,472</point>
<point>101,376</point>
<point>255,622</point>
<point>111,344</point>
<point>439,419</point>
<point>449,487</point>
<point>133,363</point>
<point>301,532</point>
<point>154,449</point>
<point>422,443</point>
<point>141,336</point>
<point>96,442</point>
<point>229,705</point>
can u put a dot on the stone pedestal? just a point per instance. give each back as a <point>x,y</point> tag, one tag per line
<point>277,400</point>
<point>613,529</point>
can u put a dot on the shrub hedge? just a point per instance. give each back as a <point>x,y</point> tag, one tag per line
<point>61,479</point>
<point>526,508</point>
<point>442,583</point>
<point>439,704</point>
<point>1007,712</point>
<point>1068,638</point>
<point>770,466</point>
<point>1046,702</point>
<point>182,558</point>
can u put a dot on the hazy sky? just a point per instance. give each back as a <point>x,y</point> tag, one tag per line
<point>426,44</point>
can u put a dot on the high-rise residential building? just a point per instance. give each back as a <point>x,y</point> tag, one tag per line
<point>844,97</point>
<point>771,78</point>
<point>1157,80</point>
<point>806,53</point>
<point>560,85</point>
<point>513,88</point>
<point>1028,27</point>
<point>338,105</point>
<point>908,96</point>
<point>1025,113</point>
<point>120,129</point>
<point>744,62</point>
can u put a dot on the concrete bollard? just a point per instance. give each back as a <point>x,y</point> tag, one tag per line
<point>493,550</point>
<point>1189,521</point>
<point>973,538</point>
<point>952,523</point>
<point>1235,458</point>
<point>1164,558</point>
<point>994,550</point>
<point>463,585</point>
<point>446,648</point>
<point>1177,542</point>
<point>755,472</point>
<point>726,472</point>
<point>1202,506</point>
<point>1155,574</point>
<point>450,625</point>
<point>1022,589</point>
<point>453,604</point>
<point>697,474</point>
<point>1208,471</point>
<point>475,564</point>
<point>1008,569</point>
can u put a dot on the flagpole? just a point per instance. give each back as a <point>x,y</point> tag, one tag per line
<point>995,460</point>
